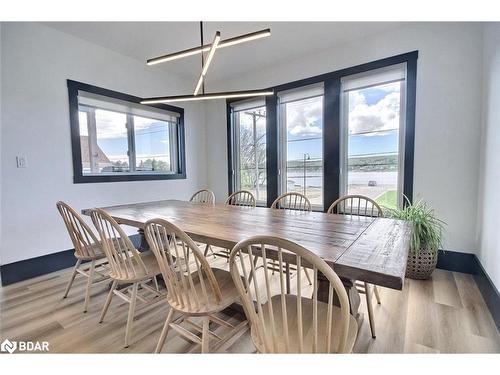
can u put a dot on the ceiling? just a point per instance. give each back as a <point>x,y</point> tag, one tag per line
<point>289,40</point>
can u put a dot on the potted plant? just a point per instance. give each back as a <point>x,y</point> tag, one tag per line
<point>427,236</point>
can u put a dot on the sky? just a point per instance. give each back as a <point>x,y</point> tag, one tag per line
<point>374,110</point>
<point>151,136</point>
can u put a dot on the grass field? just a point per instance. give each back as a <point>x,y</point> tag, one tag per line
<point>389,199</point>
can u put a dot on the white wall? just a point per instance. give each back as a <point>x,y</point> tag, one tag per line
<point>36,61</point>
<point>215,112</point>
<point>447,116</point>
<point>489,205</point>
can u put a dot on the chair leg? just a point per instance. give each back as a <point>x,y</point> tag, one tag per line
<point>89,285</point>
<point>377,296</point>
<point>207,249</point>
<point>131,312</point>
<point>205,336</point>
<point>155,282</point>
<point>287,274</point>
<point>307,276</point>
<point>368,295</point>
<point>164,331</point>
<point>108,300</point>
<point>73,275</point>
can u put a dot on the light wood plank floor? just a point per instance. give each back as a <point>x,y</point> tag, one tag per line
<point>446,314</point>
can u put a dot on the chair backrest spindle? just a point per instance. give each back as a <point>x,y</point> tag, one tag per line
<point>241,198</point>
<point>83,238</point>
<point>182,265</point>
<point>203,196</point>
<point>292,201</point>
<point>123,258</point>
<point>365,206</point>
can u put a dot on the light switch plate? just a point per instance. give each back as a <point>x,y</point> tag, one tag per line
<point>21,161</point>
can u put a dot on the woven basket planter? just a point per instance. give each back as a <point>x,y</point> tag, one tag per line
<point>420,266</point>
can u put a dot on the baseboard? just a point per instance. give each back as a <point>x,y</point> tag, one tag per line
<point>458,262</point>
<point>490,294</point>
<point>29,268</point>
<point>26,269</point>
<point>469,263</point>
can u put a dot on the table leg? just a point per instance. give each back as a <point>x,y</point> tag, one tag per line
<point>143,246</point>
<point>352,294</point>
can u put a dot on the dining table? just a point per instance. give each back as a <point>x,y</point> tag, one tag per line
<point>358,248</point>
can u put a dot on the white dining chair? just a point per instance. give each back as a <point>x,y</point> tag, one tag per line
<point>359,205</point>
<point>194,289</point>
<point>135,271</point>
<point>88,249</point>
<point>289,322</point>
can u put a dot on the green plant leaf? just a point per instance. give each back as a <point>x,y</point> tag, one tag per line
<point>427,229</point>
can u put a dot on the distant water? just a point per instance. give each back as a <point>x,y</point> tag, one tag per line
<point>355,178</point>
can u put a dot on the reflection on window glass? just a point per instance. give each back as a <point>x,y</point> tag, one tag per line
<point>251,132</point>
<point>152,145</point>
<point>112,141</point>
<point>373,142</point>
<point>84,141</point>
<point>304,148</point>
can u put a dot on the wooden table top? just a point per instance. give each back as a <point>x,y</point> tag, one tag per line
<point>359,248</point>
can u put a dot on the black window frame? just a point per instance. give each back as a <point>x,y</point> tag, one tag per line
<point>331,127</point>
<point>79,177</point>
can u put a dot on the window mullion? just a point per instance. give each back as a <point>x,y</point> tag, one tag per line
<point>236,165</point>
<point>332,158</point>
<point>402,139</point>
<point>173,150</point>
<point>131,142</point>
<point>93,148</point>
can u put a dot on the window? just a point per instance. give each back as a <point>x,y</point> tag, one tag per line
<point>249,133</point>
<point>120,139</point>
<point>301,142</point>
<point>351,131</point>
<point>373,110</point>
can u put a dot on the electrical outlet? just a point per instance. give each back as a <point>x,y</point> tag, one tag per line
<point>21,161</point>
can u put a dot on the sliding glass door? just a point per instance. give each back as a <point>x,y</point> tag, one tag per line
<point>300,142</point>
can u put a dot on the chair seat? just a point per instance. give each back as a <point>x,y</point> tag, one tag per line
<point>98,250</point>
<point>99,253</point>
<point>307,326</point>
<point>152,269</point>
<point>197,304</point>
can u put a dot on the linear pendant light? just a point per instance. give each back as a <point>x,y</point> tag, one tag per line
<point>207,63</point>
<point>214,95</point>
<point>211,48</point>
<point>223,43</point>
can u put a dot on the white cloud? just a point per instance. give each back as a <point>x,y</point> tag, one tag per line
<point>383,115</point>
<point>303,117</point>
<point>305,130</point>
<point>110,124</point>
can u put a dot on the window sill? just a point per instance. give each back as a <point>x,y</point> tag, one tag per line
<point>127,177</point>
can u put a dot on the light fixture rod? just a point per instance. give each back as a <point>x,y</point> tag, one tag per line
<point>223,43</point>
<point>210,96</point>
<point>202,42</point>
<point>204,70</point>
